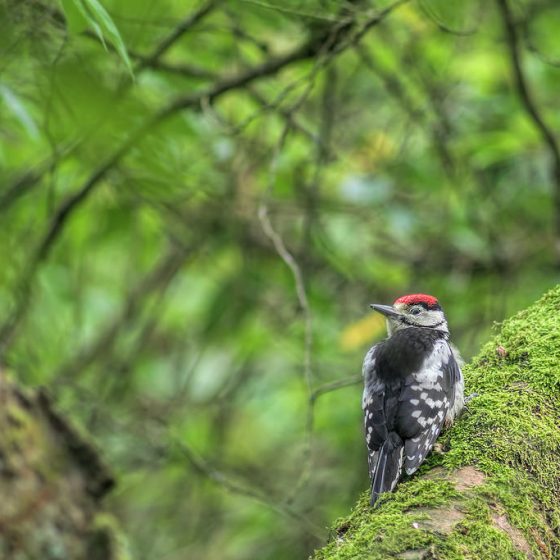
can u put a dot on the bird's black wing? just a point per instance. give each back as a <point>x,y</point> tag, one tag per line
<point>453,377</point>
<point>385,447</point>
<point>423,404</point>
<point>373,405</point>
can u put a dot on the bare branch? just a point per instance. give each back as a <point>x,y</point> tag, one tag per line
<point>287,115</point>
<point>294,267</point>
<point>187,70</point>
<point>156,279</point>
<point>430,14</point>
<point>335,385</point>
<point>297,274</point>
<point>396,89</point>
<point>204,468</point>
<point>190,21</point>
<point>24,183</point>
<point>293,12</point>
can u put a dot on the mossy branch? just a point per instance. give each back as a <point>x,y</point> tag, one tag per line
<point>494,491</point>
<point>51,482</point>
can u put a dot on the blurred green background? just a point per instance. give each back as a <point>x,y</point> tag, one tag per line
<point>200,199</point>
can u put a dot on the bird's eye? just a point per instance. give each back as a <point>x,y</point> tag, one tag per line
<point>415,311</point>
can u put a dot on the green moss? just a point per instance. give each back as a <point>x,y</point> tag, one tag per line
<point>476,537</point>
<point>510,433</point>
<point>107,541</point>
<point>48,499</point>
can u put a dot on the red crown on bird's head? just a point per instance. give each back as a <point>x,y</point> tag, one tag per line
<point>413,299</point>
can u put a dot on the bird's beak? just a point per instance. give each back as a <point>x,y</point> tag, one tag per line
<point>387,310</point>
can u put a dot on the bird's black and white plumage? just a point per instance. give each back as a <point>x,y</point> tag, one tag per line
<point>413,387</point>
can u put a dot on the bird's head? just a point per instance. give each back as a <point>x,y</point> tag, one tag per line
<point>415,310</point>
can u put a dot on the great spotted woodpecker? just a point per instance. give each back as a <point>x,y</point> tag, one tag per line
<point>413,388</point>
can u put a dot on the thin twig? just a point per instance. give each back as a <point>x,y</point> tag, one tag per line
<point>395,88</point>
<point>325,56</point>
<point>187,70</point>
<point>335,385</point>
<point>287,115</point>
<point>374,19</point>
<point>157,278</point>
<point>327,117</point>
<point>293,12</point>
<point>203,467</point>
<point>190,21</point>
<point>290,261</point>
<point>301,293</point>
<point>430,14</point>
<point>26,181</point>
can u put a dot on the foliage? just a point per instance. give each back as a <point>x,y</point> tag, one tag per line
<point>190,248</point>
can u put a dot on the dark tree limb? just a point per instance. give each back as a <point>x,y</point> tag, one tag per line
<point>158,278</point>
<point>532,110</point>
<point>51,480</point>
<point>189,22</point>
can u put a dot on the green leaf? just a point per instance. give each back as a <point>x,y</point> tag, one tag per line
<point>18,109</point>
<point>76,19</point>
<point>81,14</point>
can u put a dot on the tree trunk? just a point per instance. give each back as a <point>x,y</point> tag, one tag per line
<point>51,483</point>
<point>493,491</point>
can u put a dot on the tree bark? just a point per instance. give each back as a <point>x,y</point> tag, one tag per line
<point>51,483</point>
<point>493,490</point>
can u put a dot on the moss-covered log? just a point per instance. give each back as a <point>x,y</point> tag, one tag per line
<point>493,491</point>
<point>51,483</point>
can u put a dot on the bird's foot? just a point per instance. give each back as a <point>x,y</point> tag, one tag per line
<point>470,397</point>
<point>438,448</point>
<point>468,400</point>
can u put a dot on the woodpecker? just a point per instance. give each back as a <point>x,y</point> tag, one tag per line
<point>413,388</point>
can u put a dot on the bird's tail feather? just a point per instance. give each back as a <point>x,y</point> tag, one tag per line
<point>388,468</point>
